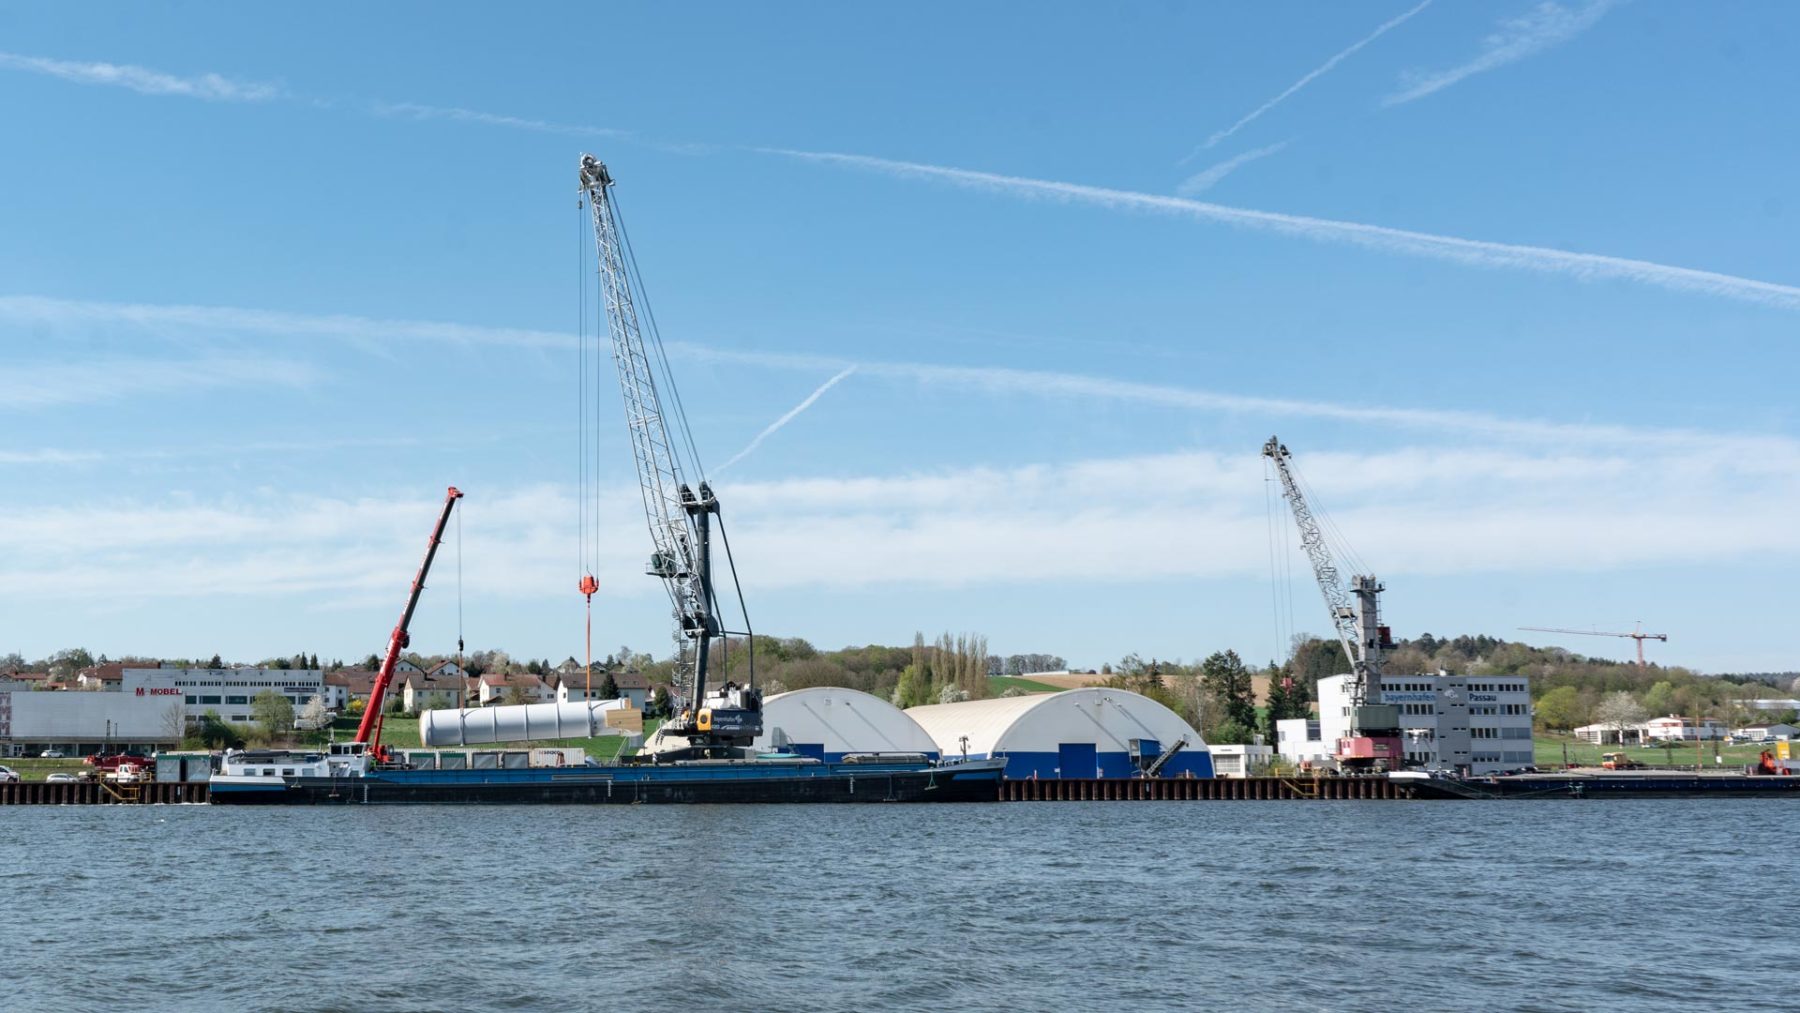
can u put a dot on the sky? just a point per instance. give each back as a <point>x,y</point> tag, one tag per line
<point>1026,287</point>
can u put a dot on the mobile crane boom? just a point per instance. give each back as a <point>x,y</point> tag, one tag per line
<point>368,732</point>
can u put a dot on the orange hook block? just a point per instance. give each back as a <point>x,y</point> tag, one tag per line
<point>589,585</point>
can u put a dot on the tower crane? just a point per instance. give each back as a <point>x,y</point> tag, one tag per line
<point>1374,730</point>
<point>1638,635</point>
<point>680,514</point>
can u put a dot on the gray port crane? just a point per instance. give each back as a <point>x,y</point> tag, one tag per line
<point>1374,738</point>
<point>680,514</point>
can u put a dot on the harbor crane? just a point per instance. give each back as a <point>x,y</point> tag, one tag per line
<point>1373,740</point>
<point>1638,635</point>
<point>680,513</point>
<point>368,731</point>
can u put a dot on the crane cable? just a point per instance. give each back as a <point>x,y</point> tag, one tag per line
<point>461,686</point>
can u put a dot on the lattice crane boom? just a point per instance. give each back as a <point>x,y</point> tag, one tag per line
<point>675,511</point>
<point>1312,540</point>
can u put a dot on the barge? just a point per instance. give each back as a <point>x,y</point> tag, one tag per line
<point>344,776</point>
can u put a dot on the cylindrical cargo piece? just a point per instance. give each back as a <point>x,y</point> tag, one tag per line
<point>516,723</point>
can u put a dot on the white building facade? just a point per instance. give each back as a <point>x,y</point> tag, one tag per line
<point>226,691</point>
<point>1480,723</point>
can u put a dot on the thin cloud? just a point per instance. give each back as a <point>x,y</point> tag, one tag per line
<point>1308,79</point>
<point>143,80</point>
<point>416,111</point>
<point>83,317</point>
<point>1202,181</point>
<point>1545,25</point>
<point>1064,386</point>
<point>48,456</point>
<point>792,413</point>
<point>1444,511</point>
<point>1474,252</point>
<point>53,384</point>
<point>72,314</point>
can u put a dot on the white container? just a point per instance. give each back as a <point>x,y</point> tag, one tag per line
<point>515,723</point>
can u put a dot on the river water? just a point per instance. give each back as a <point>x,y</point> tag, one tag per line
<point>1554,905</point>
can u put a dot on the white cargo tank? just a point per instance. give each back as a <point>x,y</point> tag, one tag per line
<point>529,722</point>
<point>828,722</point>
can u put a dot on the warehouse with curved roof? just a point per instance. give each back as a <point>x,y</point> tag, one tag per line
<point>1075,734</point>
<point>829,721</point>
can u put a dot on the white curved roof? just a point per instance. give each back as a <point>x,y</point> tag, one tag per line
<point>1108,718</point>
<point>843,721</point>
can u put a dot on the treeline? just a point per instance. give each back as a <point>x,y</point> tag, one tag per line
<point>1570,690</point>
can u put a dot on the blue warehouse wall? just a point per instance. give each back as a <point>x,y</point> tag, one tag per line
<point>1047,766</point>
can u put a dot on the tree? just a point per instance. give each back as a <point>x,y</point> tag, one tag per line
<point>273,711</point>
<point>214,733</point>
<point>215,662</point>
<point>1660,698</point>
<point>516,694</point>
<point>313,716</point>
<point>1227,684</point>
<point>609,687</point>
<point>1560,709</point>
<point>660,704</point>
<point>174,722</point>
<point>1619,711</point>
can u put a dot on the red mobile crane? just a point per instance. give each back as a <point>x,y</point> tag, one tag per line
<point>368,733</point>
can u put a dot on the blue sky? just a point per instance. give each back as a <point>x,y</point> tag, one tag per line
<point>1517,282</point>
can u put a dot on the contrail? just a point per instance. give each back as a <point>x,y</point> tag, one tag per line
<point>1303,82</point>
<point>1476,252</point>
<point>213,87</point>
<point>1204,180</point>
<point>1546,25</point>
<point>785,419</point>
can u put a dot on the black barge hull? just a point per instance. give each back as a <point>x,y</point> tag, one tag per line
<point>582,787</point>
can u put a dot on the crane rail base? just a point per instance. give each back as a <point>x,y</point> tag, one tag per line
<point>1215,789</point>
<point>102,793</point>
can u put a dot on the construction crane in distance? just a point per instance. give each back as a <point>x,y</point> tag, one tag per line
<point>1638,635</point>
<point>680,514</point>
<point>1374,732</point>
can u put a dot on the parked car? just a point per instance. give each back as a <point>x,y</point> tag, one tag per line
<point>53,754</point>
<point>8,774</point>
<point>62,777</point>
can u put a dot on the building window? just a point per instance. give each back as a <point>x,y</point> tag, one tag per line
<point>240,701</point>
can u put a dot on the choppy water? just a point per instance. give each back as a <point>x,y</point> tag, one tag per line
<point>1077,906</point>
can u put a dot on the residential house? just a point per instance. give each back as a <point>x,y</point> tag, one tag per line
<point>495,688</point>
<point>346,685</point>
<point>572,687</point>
<point>108,677</point>
<point>446,670</point>
<point>421,691</point>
